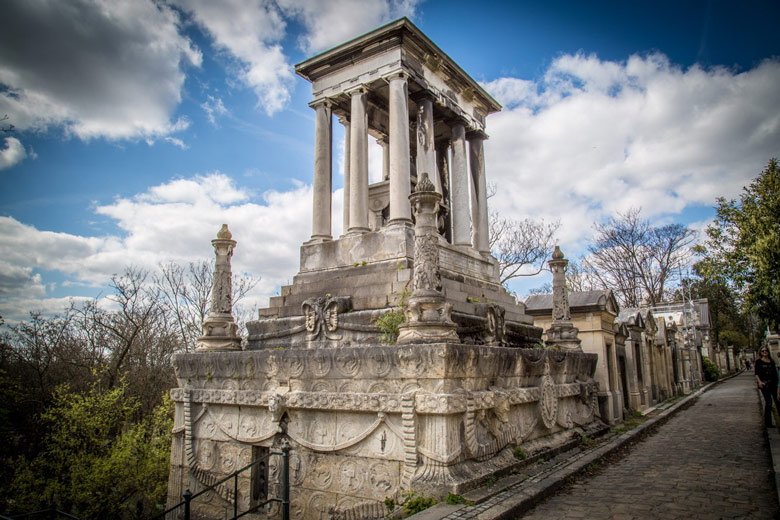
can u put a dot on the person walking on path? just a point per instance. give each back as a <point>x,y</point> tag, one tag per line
<point>766,377</point>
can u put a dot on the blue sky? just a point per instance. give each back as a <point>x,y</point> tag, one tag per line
<point>141,126</point>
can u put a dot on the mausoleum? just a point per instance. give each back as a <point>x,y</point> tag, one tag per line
<point>466,381</point>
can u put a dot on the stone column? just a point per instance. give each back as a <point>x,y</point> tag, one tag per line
<point>358,163</point>
<point>383,142</point>
<point>220,331</point>
<point>322,172</point>
<point>400,182</point>
<point>426,151</point>
<point>443,166</point>
<point>480,233</point>
<point>427,313</point>
<point>345,121</point>
<point>561,335</point>
<point>461,234</point>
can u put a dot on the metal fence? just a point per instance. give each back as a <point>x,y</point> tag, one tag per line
<point>43,513</point>
<point>284,500</point>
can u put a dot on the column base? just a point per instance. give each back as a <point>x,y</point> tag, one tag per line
<point>318,239</point>
<point>357,231</point>
<point>400,222</point>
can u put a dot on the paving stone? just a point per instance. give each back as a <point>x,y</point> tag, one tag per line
<point>709,461</point>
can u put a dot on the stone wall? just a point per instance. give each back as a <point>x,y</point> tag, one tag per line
<point>366,423</point>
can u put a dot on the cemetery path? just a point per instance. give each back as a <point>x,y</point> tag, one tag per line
<point>710,460</point>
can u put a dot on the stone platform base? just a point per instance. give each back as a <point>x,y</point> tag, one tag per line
<point>371,422</point>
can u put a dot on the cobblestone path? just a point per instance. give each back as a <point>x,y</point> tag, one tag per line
<point>708,461</point>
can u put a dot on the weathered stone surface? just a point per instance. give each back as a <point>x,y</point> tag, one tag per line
<point>446,406</point>
<point>220,331</point>
<point>366,422</point>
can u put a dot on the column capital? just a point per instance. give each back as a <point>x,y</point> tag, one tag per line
<point>457,120</point>
<point>423,94</point>
<point>396,74</point>
<point>357,89</point>
<point>476,134</point>
<point>344,120</point>
<point>327,102</point>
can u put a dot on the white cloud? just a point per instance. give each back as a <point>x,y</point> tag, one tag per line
<point>594,137</point>
<point>251,32</point>
<point>174,221</point>
<point>213,107</point>
<point>337,21</point>
<point>99,69</point>
<point>177,142</point>
<point>12,154</point>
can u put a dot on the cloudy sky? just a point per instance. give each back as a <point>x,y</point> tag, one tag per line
<point>140,127</point>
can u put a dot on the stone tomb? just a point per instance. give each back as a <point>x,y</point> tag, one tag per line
<point>368,422</point>
<point>469,381</point>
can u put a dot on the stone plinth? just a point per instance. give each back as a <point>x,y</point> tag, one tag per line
<point>220,331</point>
<point>366,423</point>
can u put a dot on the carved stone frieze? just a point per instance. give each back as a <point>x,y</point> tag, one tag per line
<point>420,410</point>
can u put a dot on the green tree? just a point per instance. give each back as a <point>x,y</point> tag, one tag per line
<point>743,245</point>
<point>98,460</point>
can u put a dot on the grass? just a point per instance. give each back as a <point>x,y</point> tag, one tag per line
<point>631,420</point>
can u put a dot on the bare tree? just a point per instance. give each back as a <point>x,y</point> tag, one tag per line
<point>522,247</point>
<point>578,279</point>
<point>185,296</point>
<point>635,259</point>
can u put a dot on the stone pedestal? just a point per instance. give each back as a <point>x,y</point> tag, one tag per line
<point>371,422</point>
<point>220,331</point>
<point>562,334</point>
<point>427,313</point>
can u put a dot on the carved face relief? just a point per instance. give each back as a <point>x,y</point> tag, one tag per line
<point>276,407</point>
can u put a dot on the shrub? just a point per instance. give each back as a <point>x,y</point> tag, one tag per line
<point>388,324</point>
<point>711,371</point>
<point>454,500</point>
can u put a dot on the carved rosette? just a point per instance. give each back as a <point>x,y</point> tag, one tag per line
<point>428,315</point>
<point>220,331</point>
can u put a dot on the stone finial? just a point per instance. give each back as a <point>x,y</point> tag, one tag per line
<point>220,331</point>
<point>425,184</point>
<point>224,233</point>
<point>427,313</point>
<point>562,335</point>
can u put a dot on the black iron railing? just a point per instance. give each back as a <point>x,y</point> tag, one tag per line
<point>46,513</point>
<point>284,500</point>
